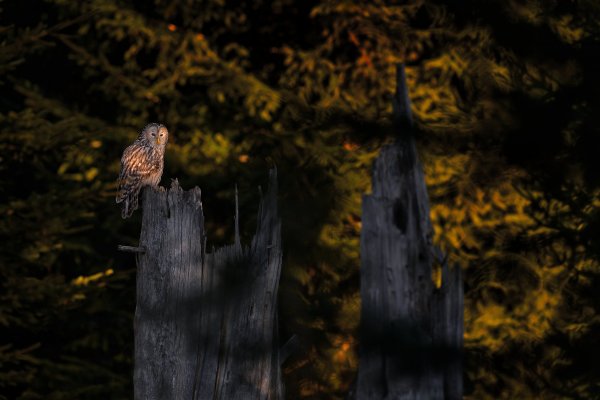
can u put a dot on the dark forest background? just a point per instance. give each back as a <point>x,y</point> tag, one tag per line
<point>506,99</point>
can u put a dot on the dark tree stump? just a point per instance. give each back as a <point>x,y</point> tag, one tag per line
<point>206,323</point>
<point>411,330</point>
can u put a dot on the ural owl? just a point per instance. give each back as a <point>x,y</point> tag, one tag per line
<point>141,165</point>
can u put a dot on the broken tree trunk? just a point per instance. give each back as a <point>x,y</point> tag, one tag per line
<point>206,323</point>
<point>411,327</point>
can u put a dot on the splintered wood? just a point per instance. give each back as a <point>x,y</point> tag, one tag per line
<point>205,323</point>
<point>411,328</point>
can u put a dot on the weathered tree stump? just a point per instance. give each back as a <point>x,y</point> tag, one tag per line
<point>206,323</point>
<point>411,329</point>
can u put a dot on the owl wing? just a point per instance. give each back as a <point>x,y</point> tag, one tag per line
<point>137,163</point>
<point>138,160</point>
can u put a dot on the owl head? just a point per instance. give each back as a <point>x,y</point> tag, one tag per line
<point>156,135</point>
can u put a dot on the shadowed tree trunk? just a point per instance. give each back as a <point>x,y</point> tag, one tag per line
<point>411,327</point>
<point>205,323</point>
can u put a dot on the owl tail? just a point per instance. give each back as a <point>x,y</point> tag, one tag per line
<point>129,205</point>
<point>128,200</point>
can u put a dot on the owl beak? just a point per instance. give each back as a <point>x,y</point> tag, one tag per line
<point>157,140</point>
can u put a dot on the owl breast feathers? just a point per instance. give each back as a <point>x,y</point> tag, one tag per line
<point>141,165</point>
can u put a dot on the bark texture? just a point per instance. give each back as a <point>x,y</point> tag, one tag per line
<point>206,323</point>
<point>411,329</point>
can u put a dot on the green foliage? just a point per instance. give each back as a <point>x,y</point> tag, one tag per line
<point>504,96</point>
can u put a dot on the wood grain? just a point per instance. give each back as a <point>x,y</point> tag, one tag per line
<point>205,323</point>
<point>411,331</point>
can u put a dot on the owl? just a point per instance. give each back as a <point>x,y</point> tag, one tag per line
<point>141,165</point>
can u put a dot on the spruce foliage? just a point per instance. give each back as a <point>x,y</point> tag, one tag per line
<point>505,97</point>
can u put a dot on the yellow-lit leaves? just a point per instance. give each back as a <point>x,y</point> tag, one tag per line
<point>95,278</point>
<point>436,274</point>
<point>457,222</point>
<point>567,28</point>
<point>348,317</point>
<point>493,325</point>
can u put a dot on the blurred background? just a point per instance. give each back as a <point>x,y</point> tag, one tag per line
<point>506,100</point>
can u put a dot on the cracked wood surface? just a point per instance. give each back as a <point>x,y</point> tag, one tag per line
<point>411,330</point>
<point>205,323</point>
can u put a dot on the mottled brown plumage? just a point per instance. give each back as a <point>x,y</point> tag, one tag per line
<point>141,165</point>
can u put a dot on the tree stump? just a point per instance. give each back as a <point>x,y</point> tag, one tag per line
<point>411,329</point>
<point>206,323</point>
